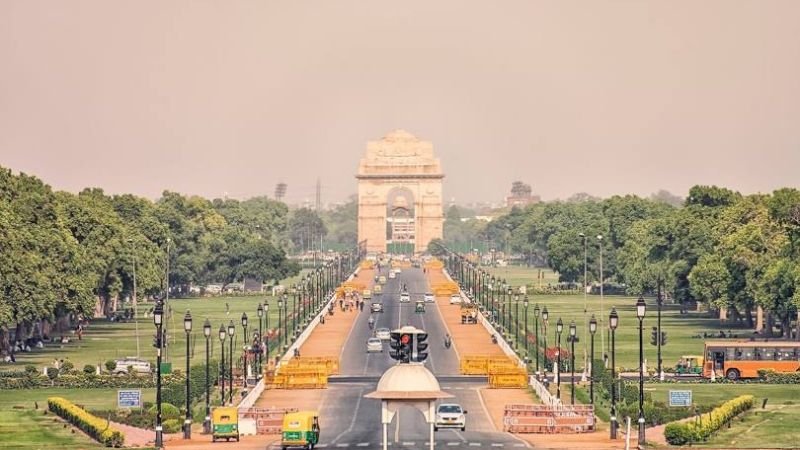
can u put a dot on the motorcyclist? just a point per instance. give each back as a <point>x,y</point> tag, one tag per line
<point>371,322</point>
<point>447,341</point>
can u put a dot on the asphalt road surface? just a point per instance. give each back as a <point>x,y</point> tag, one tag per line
<point>350,421</point>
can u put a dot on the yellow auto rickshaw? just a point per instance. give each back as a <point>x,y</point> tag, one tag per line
<point>300,429</point>
<point>378,289</point>
<point>689,365</point>
<point>225,423</point>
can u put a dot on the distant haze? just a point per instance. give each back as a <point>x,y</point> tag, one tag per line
<point>216,97</point>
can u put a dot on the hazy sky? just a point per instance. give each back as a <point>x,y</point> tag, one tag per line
<point>231,97</point>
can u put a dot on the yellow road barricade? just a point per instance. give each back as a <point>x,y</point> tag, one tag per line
<point>508,381</point>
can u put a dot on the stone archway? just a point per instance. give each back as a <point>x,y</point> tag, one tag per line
<point>399,161</point>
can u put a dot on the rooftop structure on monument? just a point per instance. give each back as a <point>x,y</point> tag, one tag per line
<point>401,168</point>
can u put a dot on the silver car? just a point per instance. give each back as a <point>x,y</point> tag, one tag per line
<point>405,297</point>
<point>429,298</point>
<point>383,334</point>
<point>450,415</point>
<point>374,345</point>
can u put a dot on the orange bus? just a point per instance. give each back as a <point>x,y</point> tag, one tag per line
<point>736,359</point>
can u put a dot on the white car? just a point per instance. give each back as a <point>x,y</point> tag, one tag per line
<point>450,415</point>
<point>383,334</point>
<point>429,298</point>
<point>374,344</point>
<point>391,274</point>
<point>455,299</point>
<point>137,365</point>
<point>376,307</point>
<point>405,297</point>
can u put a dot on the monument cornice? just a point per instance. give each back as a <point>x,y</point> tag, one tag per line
<point>401,176</point>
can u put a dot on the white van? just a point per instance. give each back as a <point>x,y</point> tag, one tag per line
<point>139,366</point>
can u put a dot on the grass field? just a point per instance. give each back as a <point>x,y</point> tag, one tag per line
<point>519,275</point>
<point>776,426</point>
<point>23,427</point>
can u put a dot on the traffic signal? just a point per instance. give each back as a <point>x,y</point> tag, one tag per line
<point>654,336</point>
<point>663,338</point>
<point>419,354</point>
<point>401,346</point>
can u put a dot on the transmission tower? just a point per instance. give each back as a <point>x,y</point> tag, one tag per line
<point>280,191</point>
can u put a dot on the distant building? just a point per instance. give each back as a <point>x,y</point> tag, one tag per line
<point>521,195</point>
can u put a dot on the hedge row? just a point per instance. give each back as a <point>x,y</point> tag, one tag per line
<point>772,377</point>
<point>175,393</point>
<point>83,380</point>
<point>94,426</point>
<point>681,433</point>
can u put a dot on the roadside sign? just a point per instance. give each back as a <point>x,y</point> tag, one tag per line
<point>680,398</point>
<point>129,398</point>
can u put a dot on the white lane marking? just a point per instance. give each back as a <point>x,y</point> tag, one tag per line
<point>496,444</point>
<point>519,445</point>
<point>485,409</point>
<point>474,444</point>
<point>321,445</point>
<point>408,444</point>
<point>362,444</point>
<point>343,445</point>
<point>453,444</point>
<point>353,420</point>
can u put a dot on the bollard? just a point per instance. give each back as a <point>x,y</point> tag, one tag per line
<point>764,403</point>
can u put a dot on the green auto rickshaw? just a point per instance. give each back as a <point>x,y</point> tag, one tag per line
<point>300,429</point>
<point>225,423</point>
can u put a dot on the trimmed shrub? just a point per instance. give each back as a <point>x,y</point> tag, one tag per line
<point>111,365</point>
<point>171,426</point>
<point>97,428</point>
<point>168,411</point>
<point>67,367</point>
<point>773,377</point>
<point>687,432</point>
<point>89,369</point>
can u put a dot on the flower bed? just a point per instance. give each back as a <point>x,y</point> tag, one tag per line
<point>94,426</point>
<point>681,433</point>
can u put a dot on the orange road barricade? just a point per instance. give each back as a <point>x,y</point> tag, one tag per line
<point>474,365</point>
<point>549,419</point>
<point>508,380</point>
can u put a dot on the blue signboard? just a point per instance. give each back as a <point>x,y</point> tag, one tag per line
<point>129,398</point>
<point>680,398</point>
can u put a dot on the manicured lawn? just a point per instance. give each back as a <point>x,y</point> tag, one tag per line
<point>519,275</point>
<point>91,399</point>
<point>706,393</point>
<point>29,429</point>
<point>104,340</point>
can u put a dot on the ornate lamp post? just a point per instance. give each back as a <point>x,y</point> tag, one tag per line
<point>559,329</point>
<point>536,344</point>
<point>222,336</point>
<point>516,320</point>
<point>641,307</point>
<point>260,313</point>
<point>525,308</point>
<point>285,321</point>
<point>158,320</point>
<point>266,313</point>
<point>507,310</point>
<point>281,300</point>
<point>592,330</point>
<point>244,342</point>
<point>187,422</point>
<point>231,331</point>
<point>493,300</point>
<point>207,420</point>
<point>613,321</point>
<point>573,333</point>
<point>545,316</point>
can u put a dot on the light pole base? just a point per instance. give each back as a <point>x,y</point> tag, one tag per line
<point>207,425</point>
<point>613,427</point>
<point>187,429</point>
<point>159,437</point>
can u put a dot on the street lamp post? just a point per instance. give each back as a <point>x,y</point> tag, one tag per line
<point>260,313</point>
<point>187,422</point>
<point>545,316</point>
<point>231,331</point>
<point>516,320</point>
<point>613,321</point>
<point>573,333</point>
<point>509,293</point>
<point>158,320</point>
<point>536,343</point>
<point>222,336</point>
<point>559,329</point>
<point>525,307</point>
<point>280,322</point>
<point>640,311</point>
<point>602,339</point>
<point>266,312</point>
<point>585,297</point>
<point>659,301</point>
<point>244,342</point>
<point>207,420</point>
<point>285,321</point>
<point>592,330</point>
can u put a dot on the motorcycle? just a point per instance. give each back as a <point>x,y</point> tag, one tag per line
<point>371,323</point>
<point>447,342</point>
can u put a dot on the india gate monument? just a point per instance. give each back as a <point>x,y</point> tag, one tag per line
<point>399,194</point>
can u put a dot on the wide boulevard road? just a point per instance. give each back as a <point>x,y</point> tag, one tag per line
<point>350,421</point>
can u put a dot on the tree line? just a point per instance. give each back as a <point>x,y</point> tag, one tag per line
<point>719,247</point>
<point>64,256</point>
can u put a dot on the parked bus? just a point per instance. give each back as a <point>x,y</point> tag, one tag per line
<point>736,359</point>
